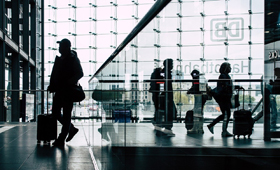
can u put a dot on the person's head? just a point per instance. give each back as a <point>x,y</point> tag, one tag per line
<point>277,72</point>
<point>225,68</point>
<point>64,46</point>
<point>195,74</point>
<point>168,63</point>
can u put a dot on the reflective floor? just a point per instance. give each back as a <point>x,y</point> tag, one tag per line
<point>144,149</point>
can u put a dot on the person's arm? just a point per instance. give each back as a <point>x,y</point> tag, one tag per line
<point>238,87</point>
<point>78,72</point>
<point>53,76</point>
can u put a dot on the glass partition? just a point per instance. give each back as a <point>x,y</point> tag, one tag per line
<point>185,36</point>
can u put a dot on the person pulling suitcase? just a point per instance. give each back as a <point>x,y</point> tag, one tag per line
<point>66,72</point>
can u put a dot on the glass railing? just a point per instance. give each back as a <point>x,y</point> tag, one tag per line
<point>121,86</point>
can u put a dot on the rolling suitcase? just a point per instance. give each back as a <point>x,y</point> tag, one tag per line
<point>189,120</point>
<point>46,127</point>
<point>242,122</point>
<point>161,118</point>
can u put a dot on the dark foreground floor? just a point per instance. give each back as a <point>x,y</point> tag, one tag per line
<point>141,149</point>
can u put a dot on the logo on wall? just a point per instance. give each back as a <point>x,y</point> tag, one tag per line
<point>230,29</point>
<point>273,54</point>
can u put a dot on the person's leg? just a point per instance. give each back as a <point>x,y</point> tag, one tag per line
<point>56,110</point>
<point>273,110</point>
<point>169,124</point>
<point>171,111</point>
<point>215,121</point>
<point>67,113</point>
<point>156,105</point>
<point>225,108</point>
<point>56,107</point>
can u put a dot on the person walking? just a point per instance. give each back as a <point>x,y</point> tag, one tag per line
<point>222,95</point>
<point>66,72</point>
<point>167,104</point>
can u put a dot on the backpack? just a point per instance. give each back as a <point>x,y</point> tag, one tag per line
<point>155,85</point>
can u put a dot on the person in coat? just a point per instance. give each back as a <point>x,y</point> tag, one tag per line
<point>66,72</point>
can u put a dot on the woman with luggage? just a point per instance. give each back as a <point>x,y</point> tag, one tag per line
<point>222,94</point>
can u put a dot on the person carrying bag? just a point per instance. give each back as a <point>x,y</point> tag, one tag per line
<point>65,75</point>
<point>223,94</point>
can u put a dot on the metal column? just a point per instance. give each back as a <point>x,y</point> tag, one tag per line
<point>2,62</point>
<point>15,63</point>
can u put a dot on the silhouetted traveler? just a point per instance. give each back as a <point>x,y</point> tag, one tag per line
<point>155,89</point>
<point>223,96</point>
<point>167,103</point>
<point>66,72</point>
<point>199,102</point>
<point>273,105</point>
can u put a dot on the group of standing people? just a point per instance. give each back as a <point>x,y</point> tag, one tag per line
<point>222,94</point>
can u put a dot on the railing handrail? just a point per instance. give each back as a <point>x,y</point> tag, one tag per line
<point>155,9</point>
<point>182,80</point>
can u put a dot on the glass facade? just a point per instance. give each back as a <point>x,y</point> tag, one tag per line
<point>190,32</point>
<point>21,57</point>
<point>194,36</point>
<point>95,29</point>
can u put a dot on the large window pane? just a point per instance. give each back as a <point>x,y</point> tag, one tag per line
<point>146,54</point>
<point>257,36</point>
<point>63,14</point>
<point>104,27</point>
<point>83,3</point>
<point>170,10</point>
<point>83,27</point>
<point>103,41</point>
<point>83,13</point>
<point>219,7</point>
<point>146,67</point>
<point>191,23</point>
<point>257,6</point>
<point>168,52</point>
<point>214,52</point>
<point>191,8</point>
<point>258,20</point>
<point>168,39</point>
<point>238,6</point>
<point>104,12</point>
<point>168,24</point>
<point>238,51</point>
<point>146,39</point>
<point>125,26</point>
<point>191,38</point>
<point>191,53</point>
<point>125,12</point>
<point>103,2</point>
<point>257,51</point>
<point>83,41</point>
<point>143,9</point>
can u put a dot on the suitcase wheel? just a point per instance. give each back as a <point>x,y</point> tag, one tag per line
<point>47,142</point>
<point>235,136</point>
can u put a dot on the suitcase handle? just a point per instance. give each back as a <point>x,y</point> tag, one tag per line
<point>48,102</point>
<point>243,96</point>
